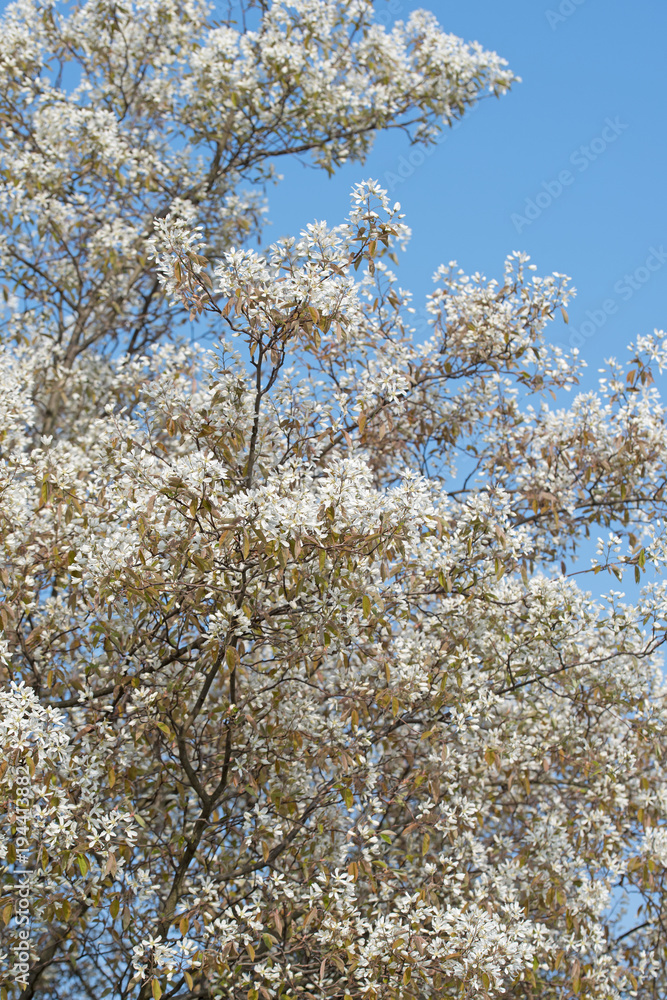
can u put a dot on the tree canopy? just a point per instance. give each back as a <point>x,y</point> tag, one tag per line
<point>303,693</point>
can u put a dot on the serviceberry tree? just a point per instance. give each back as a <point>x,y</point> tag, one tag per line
<point>301,695</point>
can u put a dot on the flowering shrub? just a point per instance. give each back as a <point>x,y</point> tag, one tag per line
<point>310,699</point>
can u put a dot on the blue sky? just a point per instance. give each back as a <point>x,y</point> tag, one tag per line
<point>591,104</point>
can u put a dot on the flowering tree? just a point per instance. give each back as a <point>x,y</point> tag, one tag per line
<point>300,694</point>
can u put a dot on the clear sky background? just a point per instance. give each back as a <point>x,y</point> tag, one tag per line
<point>582,63</point>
